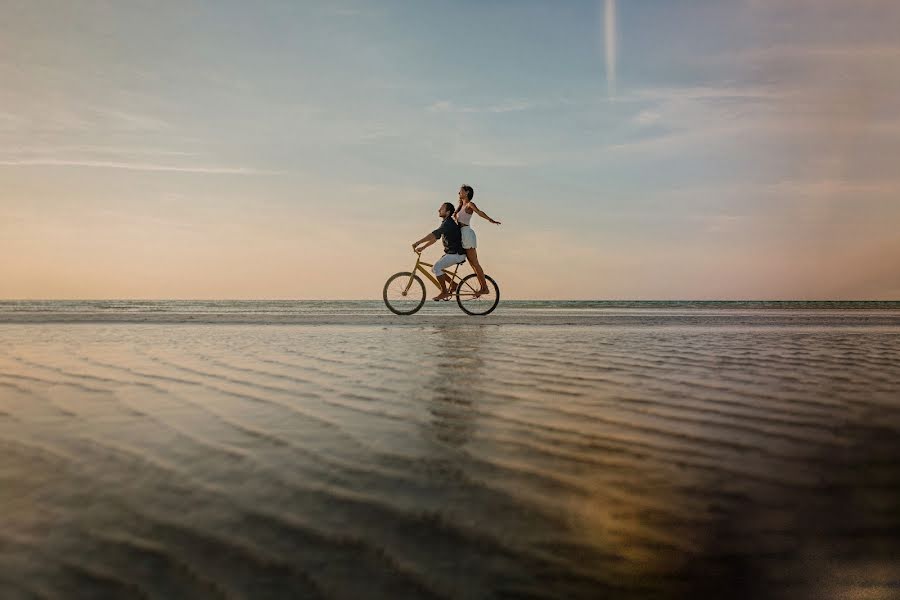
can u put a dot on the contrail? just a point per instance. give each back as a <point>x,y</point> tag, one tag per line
<point>609,20</point>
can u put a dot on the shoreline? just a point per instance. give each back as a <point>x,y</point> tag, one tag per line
<point>875,319</point>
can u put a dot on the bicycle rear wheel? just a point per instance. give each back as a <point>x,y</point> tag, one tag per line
<point>404,293</point>
<point>473,304</point>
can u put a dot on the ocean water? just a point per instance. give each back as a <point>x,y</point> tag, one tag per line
<point>552,450</point>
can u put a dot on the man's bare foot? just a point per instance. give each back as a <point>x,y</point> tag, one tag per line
<point>482,292</point>
<point>442,296</point>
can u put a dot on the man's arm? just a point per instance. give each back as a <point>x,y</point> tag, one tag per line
<point>427,240</point>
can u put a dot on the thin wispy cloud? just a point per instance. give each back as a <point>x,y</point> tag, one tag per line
<point>677,141</point>
<point>720,223</point>
<point>375,134</point>
<point>350,11</point>
<point>133,166</point>
<point>9,121</point>
<point>708,92</point>
<point>838,50</point>
<point>63,118</point>
<point>483,153</point>
<point>647,117</point>
<point>130,121</point>
<point>448,106</point>
<point>878,190</point>
<point>19,151</point>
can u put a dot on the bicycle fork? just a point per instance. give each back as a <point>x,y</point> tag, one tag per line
<point>412,276</point>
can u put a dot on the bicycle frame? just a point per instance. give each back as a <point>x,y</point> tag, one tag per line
<point>420,267</point>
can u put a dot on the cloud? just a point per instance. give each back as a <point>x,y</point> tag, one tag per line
<point>726,91</point>
<point>29,115</point>
<point>647,117</point>
<point>90,149</point>
<point>721,223</point>
<point>345,12</point>
<point>880,189</point>
<point>373,132</point>
<point>132,166</point>
<point>503,107</point>
<point>832,51</point>
<point>130,121</point>
<point>9,121</point>
<point>349,11</point>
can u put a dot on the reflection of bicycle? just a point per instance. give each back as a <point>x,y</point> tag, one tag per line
<point>404,293</point>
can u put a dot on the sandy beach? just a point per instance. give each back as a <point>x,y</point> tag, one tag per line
<point>614,452</point>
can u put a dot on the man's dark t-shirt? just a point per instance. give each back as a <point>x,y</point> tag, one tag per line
<point>449,229</point>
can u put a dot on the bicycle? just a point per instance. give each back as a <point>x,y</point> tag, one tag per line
<point>404,292</point>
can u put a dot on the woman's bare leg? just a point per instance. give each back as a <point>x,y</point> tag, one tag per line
<point>472,255</point>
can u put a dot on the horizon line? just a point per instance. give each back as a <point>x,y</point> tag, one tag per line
<point>380,300</point>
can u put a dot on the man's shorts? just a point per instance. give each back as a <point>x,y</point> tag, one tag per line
<point>447,260</point>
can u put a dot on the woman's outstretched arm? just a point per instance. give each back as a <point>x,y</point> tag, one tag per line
<point>482,213</point>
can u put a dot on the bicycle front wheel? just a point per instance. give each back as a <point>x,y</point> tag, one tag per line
<point>404,293</point>
<point>471,302</point>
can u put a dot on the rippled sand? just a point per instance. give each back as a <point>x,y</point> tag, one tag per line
<point>693,457</point>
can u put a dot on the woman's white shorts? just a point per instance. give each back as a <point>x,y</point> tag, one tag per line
<point>468,237</point>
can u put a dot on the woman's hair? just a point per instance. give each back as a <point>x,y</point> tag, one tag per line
<point>448,206</point>
<point>469,191</point>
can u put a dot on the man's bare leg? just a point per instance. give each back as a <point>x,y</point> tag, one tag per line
<point>442,279</point>
<point>451,283</point>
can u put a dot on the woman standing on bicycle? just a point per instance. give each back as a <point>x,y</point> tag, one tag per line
<point>463,215</point>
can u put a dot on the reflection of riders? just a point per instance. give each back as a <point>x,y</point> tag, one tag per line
<point>464,213</point>
<point>453,249</point>
<point>451,419</point>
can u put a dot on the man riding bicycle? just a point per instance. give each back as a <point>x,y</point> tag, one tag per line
<point>454,253</point>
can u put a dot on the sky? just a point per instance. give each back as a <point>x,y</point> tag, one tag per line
<point>700,149</point>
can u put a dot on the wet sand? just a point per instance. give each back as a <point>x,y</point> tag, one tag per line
<point>628,454</point>
<point>449,316</point>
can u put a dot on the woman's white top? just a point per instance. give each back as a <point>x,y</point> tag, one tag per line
<point>463,217</point>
